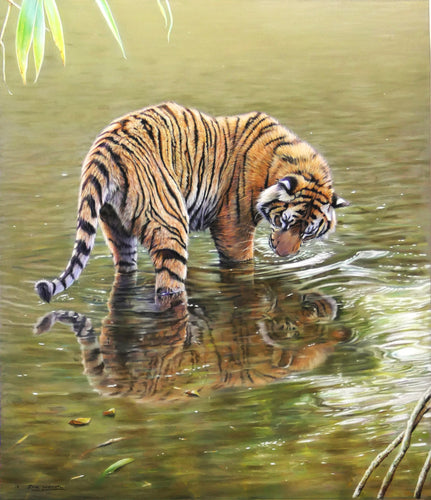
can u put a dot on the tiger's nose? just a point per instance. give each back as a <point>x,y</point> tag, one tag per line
<point>286,243</point>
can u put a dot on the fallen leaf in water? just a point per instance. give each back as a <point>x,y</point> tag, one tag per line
<point>192,394</point>
<point>80,421</point>
<point>117,465</point>
<point>77,477</point>
<point>109,413</point>
<point>21,440</point>
<point>101,445</point>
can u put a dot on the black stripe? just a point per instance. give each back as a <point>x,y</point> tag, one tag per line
<point>81,248</point>
<point>74,261</point>
<point>119,164</point>
<point>86,227</point>
<point>101,168</point>
<point>172,274</point>
<point>168,253</point>
<point>290,159</point>
<point>91,204</point>
<point>125,263</point>
<point>96,184</point>
<point>286,143</point>
<point>93,355</point>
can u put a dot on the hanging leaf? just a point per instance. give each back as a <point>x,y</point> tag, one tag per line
<point>24,34</point>
<point>117,465</point>
<point>80,421</point>
<point>55,26</point>
<point>167,15</point>
<point>163,12</point>
<point>109,18</point>
<point>39,38</point>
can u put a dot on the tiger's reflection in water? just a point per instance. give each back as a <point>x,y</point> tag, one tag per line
<point>179,350</point>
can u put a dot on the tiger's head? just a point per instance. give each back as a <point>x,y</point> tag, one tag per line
<point>299,208</point>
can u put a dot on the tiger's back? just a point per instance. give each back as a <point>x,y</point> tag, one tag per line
<point>154,175</point>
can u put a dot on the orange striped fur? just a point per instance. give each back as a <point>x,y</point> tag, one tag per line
<point>154,175</point>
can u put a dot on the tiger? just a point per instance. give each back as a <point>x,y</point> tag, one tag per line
<point>156,174</point>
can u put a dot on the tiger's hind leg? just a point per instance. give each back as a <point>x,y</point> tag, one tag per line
<point>167,246</point>
<point>123,245</point>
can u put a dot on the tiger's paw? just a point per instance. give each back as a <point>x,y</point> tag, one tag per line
<point>170,297</point>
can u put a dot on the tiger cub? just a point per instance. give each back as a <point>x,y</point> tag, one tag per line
<point>154,175</point>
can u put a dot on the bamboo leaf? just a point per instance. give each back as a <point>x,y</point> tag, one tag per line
<point>171,19</point>
<point>167,16</point>
<point>24,35</point>
<point>163,12</point>
<point>117,465</point>
<point>109,18</point>
<point>39,38</point>
<point>55,26</point>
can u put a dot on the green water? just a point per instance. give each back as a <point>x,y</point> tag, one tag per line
<point>305,368</point>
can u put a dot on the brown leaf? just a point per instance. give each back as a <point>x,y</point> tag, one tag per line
<point>192,394</point>
<point>80,421</point>
<point>109,413</point>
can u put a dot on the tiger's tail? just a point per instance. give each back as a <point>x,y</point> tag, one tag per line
<point>93,194</point>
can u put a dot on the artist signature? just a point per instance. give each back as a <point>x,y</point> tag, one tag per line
<point>41,487</point>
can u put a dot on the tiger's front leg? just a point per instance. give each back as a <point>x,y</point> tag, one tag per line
<point>234,241</point>
<point>167,247</point>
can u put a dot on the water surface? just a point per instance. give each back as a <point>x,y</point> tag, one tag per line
<point>278,380</point>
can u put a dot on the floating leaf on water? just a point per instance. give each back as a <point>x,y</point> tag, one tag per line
<point>101,445</point>
<point>117,465</point>
<point>21,440</point>
<point>146,484</point>
<point>80,421</point>
<point>109,413</point>
<point>77,477</point>
<point>192,394</point>
<point>110,441</point>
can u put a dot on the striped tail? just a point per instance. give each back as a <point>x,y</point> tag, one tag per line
<point>93,195</point>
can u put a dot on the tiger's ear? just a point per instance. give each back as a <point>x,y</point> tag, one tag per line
<point>288,184</point>
<point>338,202</point>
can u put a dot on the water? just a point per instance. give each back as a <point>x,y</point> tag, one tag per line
<point>280,380</point>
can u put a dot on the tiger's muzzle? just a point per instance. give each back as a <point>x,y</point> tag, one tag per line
<point>286,242</point>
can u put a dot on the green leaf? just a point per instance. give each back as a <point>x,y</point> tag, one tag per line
<point>55,26</point>
<point>24,34</point>
<point>39,38</point>
<point>109,18</point>
<point>163,12</point>
<point>117,465</point>
<point>167,15</point>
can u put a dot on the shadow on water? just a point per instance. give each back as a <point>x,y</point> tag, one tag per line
<point>255,335</point>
